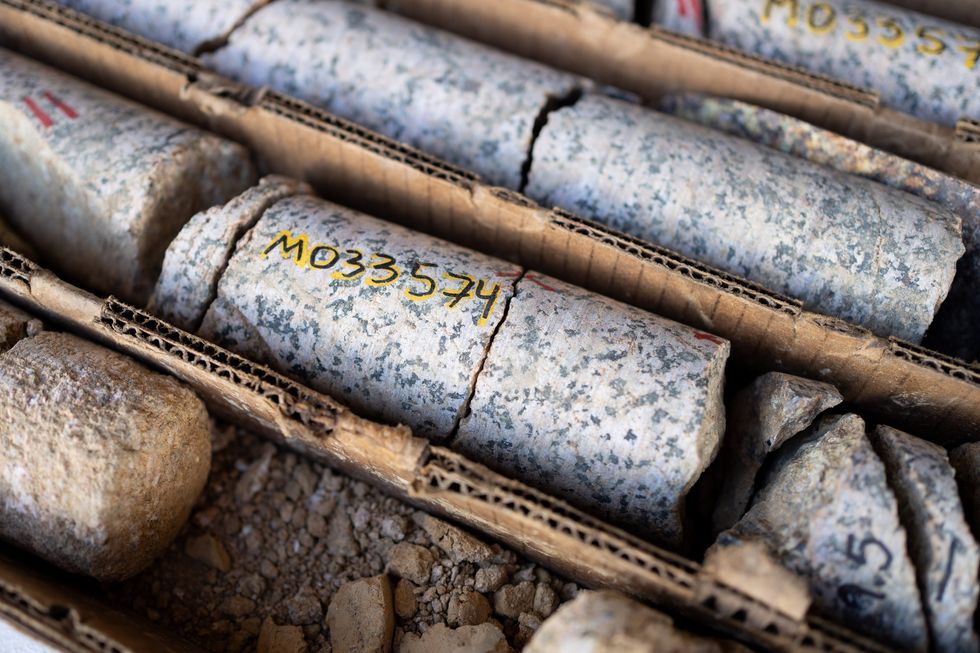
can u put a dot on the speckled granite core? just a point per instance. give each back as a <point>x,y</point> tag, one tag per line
<point>942,547</point>
<point>953,331</point>
<point>610,407</point>
<point>919,64</point>
<point>98,185</point>
<point>183,292</point>
<point>102,458</point>
<point>400,326</point>
<point>827,512</point>
<point>610,622</point>
<point>184,25</point>
<point>369,312</point>
<point>464,102</point>
<point>763,416</point>
<point>845,246</point>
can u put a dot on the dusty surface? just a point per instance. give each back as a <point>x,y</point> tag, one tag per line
<point>15,325</point>
<point>274,537</point>
<point>102,458</point>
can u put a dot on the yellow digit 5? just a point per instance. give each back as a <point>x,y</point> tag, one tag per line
<point>932,43</point>
<point>428,283</point>
<point>894,35</point>
<point>861,25</point>
<point>387,264</point>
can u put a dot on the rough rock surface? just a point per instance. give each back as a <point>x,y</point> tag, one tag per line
<point>361,309</point>
<point>266,507</point>
<point>15,325</point>
<point>843,245</point>
<point>919,64</point>
<point>184,25</point>
<point>827,513</point>
<point>966,461</point>
<point>485,638</point>
<point>102,458</point>
<point>602,404</point>
<point>113,180</point>
<point>183,292</point>
<point>609,622</point>
<point>361,616</point>
<point>770,411</point>
<point>941,545</point>
<point>464,102</point>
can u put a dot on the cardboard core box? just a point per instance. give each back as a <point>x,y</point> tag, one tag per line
<point>914,388</point>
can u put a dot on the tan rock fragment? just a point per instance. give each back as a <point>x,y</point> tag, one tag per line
<point>361,617</point>
<point>103,459</point>
<point>941,545</point>
<point>468,609</point>
<point>763,416</point>
<point>209,550</point>
<point>411,561</point>
<point>609,622</point>
<point>485,638</point>
<point>512,600</point>
<point>280,639</point>
<point>459,545</point>
<point>406,604</point>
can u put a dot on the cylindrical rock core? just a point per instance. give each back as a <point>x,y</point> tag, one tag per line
<point>102,458</point>
<point>467,103</point>
<point>98,185</point>
<point>845,246</point>
<point>411,329</point>
<point>919,64</point>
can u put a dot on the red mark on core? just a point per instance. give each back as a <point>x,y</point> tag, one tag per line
<point>61,104</point>
<point>700,335</point>
<point>44,118</point>
<point>534,280</point>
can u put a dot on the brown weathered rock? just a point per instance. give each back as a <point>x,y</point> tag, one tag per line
<point>485,638</point>
<point>411,561</point>
<point>608,622</point>
<point>490,579</point>
<point>102,458</point>
<point>945,553</point>
<point>405,603</point>
<point>280,639</point>
<point>512,600</point>
<point>209,550</point>
<point>114,180</point>
<point>459,545</point>
<point>545,600</point>
<point>361,617</point>
<point>827,513</point>
<point>468,609</point>
<point>763,416</point>
<point>15,325</point>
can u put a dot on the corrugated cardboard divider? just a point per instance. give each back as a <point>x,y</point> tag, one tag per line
<point>907,386</point>
<point>35,598</point>
<point>572,35</point>
<point>430,477</point>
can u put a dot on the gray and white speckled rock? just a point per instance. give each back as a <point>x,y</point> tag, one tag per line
<point>941,545</point>
<point>15,325</point>
<point>465,102</point>
<point>828,514</point>
<point>182,24</point>
<point>919,64</point>
<point>845,246</point>
<point>365,310</point>
<point>102,458</point>
<point>99,185</point>
<point>183,292</point>
<point>763,416</point>
<point>610,622</point>
<point>609,407</point>
<point>966,461</point>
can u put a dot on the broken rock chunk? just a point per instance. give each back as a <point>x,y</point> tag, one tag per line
<point>945,554</point>
<point>361,617</point>
<point>827,513</point>
<point>485,638</point>
<point>763,416</point>
<point>102,458</point>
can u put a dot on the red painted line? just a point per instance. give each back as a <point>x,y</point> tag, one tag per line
<point>698,14</point>
<point>681,8</point>
<point>699,335</point>
<point>534,280</point>
<point>58,102</point>
<point>38,113</point>
<point>509,274</point>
